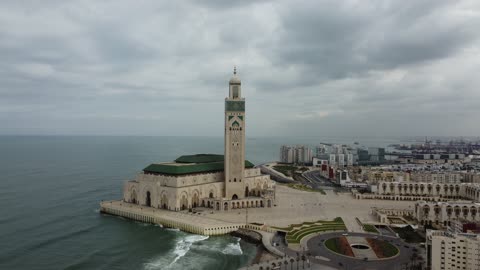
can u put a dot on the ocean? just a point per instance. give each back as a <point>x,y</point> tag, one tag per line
<point>51,186</point>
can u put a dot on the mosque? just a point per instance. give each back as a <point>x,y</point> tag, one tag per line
<point>218,182</point>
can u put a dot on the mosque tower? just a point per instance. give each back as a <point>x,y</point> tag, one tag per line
<point>234,140</point>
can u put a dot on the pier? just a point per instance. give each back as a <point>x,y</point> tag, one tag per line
<point>188,222</point>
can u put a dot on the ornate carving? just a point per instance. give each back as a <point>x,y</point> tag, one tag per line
<point>235,106</point>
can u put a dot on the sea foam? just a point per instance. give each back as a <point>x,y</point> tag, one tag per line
<point>233,248</point>
<point>182,247</point>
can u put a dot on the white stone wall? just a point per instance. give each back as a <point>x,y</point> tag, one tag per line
<point>443,213</point>
<point>182,180</point>
<point>420,189</point>
<point>190,191</point>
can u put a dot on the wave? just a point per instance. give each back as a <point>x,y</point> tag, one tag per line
<point>233,248</point>
<point>182,247</point>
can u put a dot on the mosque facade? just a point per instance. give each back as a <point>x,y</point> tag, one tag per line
<point>217,182</point>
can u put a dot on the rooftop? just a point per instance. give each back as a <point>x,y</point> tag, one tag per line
<point>191,164</point>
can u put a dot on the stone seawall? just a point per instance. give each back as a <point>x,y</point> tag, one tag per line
<point>248,236</point>
<point>187,222</point>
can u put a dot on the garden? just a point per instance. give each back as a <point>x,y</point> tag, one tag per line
<point>296,232</point>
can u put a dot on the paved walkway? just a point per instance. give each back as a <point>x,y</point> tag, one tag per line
<point>267,240</point>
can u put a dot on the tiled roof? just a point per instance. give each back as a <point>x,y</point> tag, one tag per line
<point>191,164</point>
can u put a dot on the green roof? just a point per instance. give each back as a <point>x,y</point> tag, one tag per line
<point>192,164</point>
<point>200,158</point>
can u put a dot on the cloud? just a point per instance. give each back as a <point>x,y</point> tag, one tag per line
<point>319,67</point>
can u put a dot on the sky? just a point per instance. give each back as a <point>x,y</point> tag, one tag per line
<point>310,68</point>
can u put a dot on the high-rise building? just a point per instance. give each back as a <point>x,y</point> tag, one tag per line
<point>451,251</point>
<point>299,154</point>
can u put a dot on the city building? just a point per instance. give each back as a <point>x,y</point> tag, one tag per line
<point>471,177</point>
<point>417,191</point>
<point>335,154</point>
<point>451,251</point>
<point>286,154</point>
<point>436,177</point>
<point>219,182</point>
<point>299,154</point>
<point>370,155</point>
<point>444,213</point>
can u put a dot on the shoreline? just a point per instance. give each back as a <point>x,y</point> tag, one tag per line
<point>252,237</point>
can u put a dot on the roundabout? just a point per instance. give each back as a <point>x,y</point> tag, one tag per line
<point>360,247</point>
<point>358,251</point>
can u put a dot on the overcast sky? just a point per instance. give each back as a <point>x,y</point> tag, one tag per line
<point>321,68</point>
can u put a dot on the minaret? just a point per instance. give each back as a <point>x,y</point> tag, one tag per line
<point>234,140</point>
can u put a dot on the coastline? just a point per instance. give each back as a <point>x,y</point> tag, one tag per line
<point>252,237</point>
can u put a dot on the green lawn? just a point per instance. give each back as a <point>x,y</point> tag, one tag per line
<point>285,169</point>
<point>332,245</point>
<point>370,228</point>
<point>289,170</point>
<point>296,232</point>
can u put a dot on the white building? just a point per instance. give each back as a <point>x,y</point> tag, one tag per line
<point>446,251</point>
<point>337,155</point>
<point>299,154</point>
<point>286,154</point>
<point>444,213</point>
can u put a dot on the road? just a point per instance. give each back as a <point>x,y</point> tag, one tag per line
<point>316,181</point>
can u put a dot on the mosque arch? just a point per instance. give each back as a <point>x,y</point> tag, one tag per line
<point>148,199</point>
<point>195,199</point>
<point>235,197</point>
<point>212,191</point>
<point>147,196</point>
<point>183,201</point>
<point>164,200</point>
<point>133,196</point>
<point>246,191</point>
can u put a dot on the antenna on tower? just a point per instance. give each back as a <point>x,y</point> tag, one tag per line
<point>234,70</point>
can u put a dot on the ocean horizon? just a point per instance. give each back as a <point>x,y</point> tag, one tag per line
<point>51,187</point>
